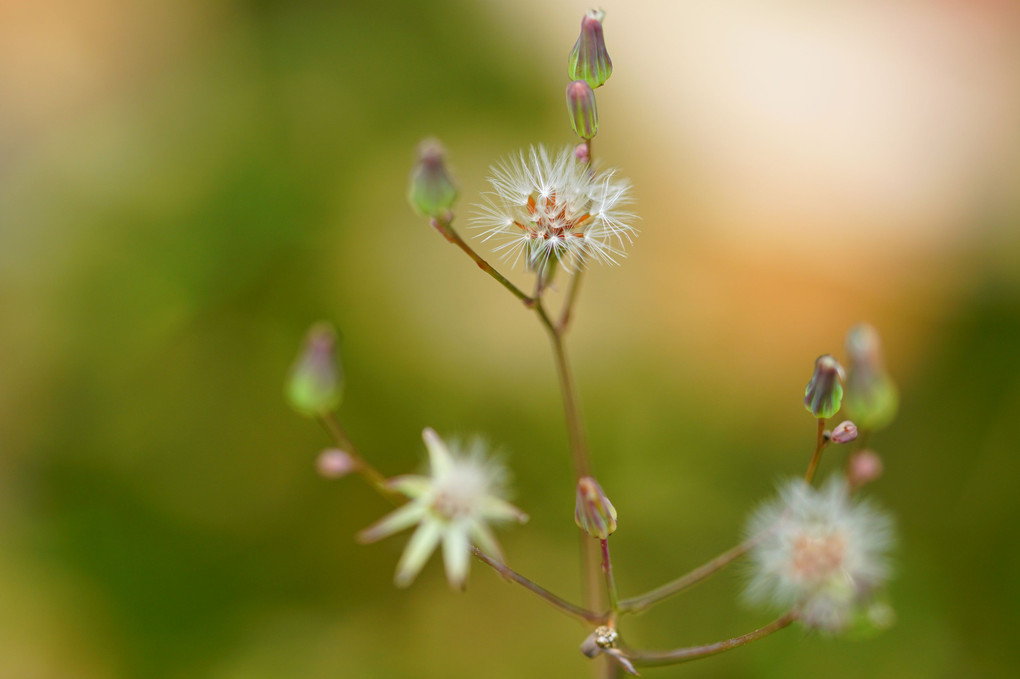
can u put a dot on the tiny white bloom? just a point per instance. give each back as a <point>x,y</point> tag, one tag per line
<point>454,505</point>
<point>545,207</point>
<point>818,550</point>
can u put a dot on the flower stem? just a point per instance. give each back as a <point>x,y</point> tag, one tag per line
<point>679,655</point>
<point>644,601</point>
<point>371,475</point>
<point>562,604</point>
<point>444,227</point>
<point>568,306</point>
<point>607,571</point>
<point>819,445</point>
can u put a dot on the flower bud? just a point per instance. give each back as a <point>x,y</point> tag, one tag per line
<point>871,396</point>
<point>825,390</point>
<point>589,60</point>
<point>864,467</point>
<point>584,116</point>
<point>593,512</point>
<point>316,380</point>
<point>844,432</point>
<point>432,192</point>
<point>582,154</point>
<point>334,463</point>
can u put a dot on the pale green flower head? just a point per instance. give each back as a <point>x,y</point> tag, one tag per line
<point>454,506</point>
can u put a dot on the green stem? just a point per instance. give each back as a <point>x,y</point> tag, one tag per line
<point>679,655</point>
<point>568,306</point>
<point>371,475</point>
<point>444,227</point>
<point>607,571</point>
<point>644,601</point>
<point>819,445</point>
<point>558,602</point>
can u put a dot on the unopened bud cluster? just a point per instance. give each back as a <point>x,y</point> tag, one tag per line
<point>588,67</point>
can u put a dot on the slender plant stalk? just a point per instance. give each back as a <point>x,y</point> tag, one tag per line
<point>562,604</point>
<point>819,445</point>
<point>568,306</point>
<point>369,473</point>
<point>644,601</point>
<point>607,571</point>
<point>444,227</point>
<point>679,655</point>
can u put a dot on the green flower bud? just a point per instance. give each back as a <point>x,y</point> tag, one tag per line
<point>593,512</point>
<point>584,116</point>
<point>825,390</point>
<point>432,192</point>
<point>871,396</point>
<point>589,60</point>
<point>315,385</point>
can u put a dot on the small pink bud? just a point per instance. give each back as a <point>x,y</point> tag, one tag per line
<point>581,153</point>
<point>865,466</point>
<point>593,512</point>
<point>845,432</point>
<point>334,463</point>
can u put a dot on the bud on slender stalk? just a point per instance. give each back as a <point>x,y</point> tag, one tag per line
<point>582,154</point>
<point>432,192</point>
<point>871,396</point>
<point>334,463</point>
<point>315,385</point>
<point>593,512</point>
<point>589,60</point>
<point>824,392</point>
<point>584,116</point>
<point>844,432</point>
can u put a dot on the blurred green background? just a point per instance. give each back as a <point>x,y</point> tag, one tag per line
<point>186,186</point>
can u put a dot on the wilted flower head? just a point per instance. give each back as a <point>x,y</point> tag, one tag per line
<point>454,505</point>
<point>818,550</point>
<point>548,208</point>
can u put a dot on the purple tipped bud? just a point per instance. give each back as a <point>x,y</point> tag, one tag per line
<point>432,192</point>
<point>871,396</point>
<point>845,432</point>
<point>593,512</point>
<point>825,390</point>
<point>584,116</point>
<point>865,466</point>
<point>315,385</point>
<point>589,61</point>
<point>582,154</point>
<point>334,463</point>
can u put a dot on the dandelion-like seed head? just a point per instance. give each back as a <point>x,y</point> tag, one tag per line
<point>820,551</point>
<point>548,208</point>
<point>454,506</point>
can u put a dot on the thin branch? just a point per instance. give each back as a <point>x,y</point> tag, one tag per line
<point>444,227</point>
<point>562,604</point>
<point>644,601</point>
<point>371,475</point>
<point>568,305</point>
<point>607,571</point>
<point>679,655</point>
<point>819,445</point>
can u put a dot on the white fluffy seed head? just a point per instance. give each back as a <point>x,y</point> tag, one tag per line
<point>546,207</point>
<point>818,550</point>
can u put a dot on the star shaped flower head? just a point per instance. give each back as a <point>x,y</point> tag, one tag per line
<point>546,208</point>
<point>453,505</point>
<point>819,551</point>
